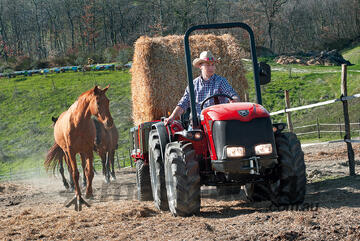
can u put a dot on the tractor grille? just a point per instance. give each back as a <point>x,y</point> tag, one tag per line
<point>246,134</point>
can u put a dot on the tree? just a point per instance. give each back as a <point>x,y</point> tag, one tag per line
<point>271,8</point>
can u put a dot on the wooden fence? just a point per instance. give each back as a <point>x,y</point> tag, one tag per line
<point>318,128</point>
<point>344,99</point>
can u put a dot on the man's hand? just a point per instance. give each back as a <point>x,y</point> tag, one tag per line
<point>235,99</point>
<point>168,120</point>
<point>176,114</point>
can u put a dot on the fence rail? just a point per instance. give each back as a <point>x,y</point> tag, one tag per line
<point>318,131</point>
<point>304,107</point>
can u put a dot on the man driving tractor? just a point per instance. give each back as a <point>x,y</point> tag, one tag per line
<point>205,85</point>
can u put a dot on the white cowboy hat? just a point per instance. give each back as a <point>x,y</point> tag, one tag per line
<point>205,56</point>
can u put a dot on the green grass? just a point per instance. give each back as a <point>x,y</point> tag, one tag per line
<point>352,55</point>
<point>28,103</point>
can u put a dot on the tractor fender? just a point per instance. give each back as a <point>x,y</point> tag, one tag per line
<point>163,136</point>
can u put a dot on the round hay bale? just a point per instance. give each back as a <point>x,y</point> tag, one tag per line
<point>159,72</point>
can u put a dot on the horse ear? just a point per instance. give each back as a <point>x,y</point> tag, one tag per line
<point>106,88</point>
<point>97,90</point>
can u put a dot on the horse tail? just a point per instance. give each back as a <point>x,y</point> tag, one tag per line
<point>53,157</point>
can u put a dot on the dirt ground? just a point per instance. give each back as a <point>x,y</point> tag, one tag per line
<point>34,209</point>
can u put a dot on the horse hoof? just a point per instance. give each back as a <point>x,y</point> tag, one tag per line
<point>66,185</point>
<point>107,180</point>
<point>113,177</point>
<point>77,201</point>
<point>89,196</point>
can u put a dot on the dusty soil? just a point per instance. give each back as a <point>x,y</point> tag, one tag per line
<point>34,209</point>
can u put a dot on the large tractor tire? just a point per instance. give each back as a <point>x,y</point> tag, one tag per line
<point>143,183</point>
<point>157,174</point>
<point>292,183</point>
<point>182,179</point>
<point>257,192</point>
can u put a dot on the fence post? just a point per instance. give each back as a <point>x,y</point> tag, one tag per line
<point>117,160</point>
<point>340,127</point>
<point>347,121</point>
<point>288,114</point>
<point>318,127</point>
<point>123,159</point>
<point>359,127</point>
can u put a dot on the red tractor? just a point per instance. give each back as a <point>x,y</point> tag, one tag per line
<point>233,145</point>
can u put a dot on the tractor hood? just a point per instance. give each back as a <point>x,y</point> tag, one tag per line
<point>242,111</point>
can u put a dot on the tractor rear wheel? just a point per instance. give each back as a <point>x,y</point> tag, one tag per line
<point>157,175</point>
<point>292,183</point>
<point>182,179</point>
<point>143,182</point>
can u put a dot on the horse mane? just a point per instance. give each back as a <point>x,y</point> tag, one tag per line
<point>88,93</point>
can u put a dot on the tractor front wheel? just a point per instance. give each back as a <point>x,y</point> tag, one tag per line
<point>292,183</point>
<point>257,192</point>
<point>182,179</point>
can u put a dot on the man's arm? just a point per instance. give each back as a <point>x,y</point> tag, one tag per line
<point>174,115</point>
<point>226,88</point>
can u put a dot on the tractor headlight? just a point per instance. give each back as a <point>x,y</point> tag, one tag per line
<point>235,151</point>
<point>197,136</point>
<point>263,149</point>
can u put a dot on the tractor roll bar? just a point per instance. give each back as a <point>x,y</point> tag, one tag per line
<point>189,65</point>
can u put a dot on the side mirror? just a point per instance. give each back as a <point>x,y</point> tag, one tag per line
<point>264,73</point>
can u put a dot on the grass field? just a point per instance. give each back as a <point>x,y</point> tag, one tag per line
<point>28,103</point>
<point>353,55</point>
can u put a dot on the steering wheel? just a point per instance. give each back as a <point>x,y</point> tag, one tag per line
<point>216,99</point>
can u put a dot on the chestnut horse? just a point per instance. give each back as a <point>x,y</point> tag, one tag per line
<point>75,132</point>
<point>105,144</point>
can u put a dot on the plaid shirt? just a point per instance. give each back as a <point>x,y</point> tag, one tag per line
<point>203,89</point>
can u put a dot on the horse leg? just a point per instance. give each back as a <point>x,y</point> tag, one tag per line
<point>112,156</point>
<point>77,200</point>
<point>83,164</point>
<point>103,162</point>
<point>72,186</point>
<point>89,173</point>
<point>107,176</point>
<point>61,170</point>
<point>103,156</point>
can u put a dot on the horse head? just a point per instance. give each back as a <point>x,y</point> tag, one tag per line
<point>99,106</point>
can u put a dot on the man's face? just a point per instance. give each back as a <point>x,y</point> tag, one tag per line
<point>208,68</point>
